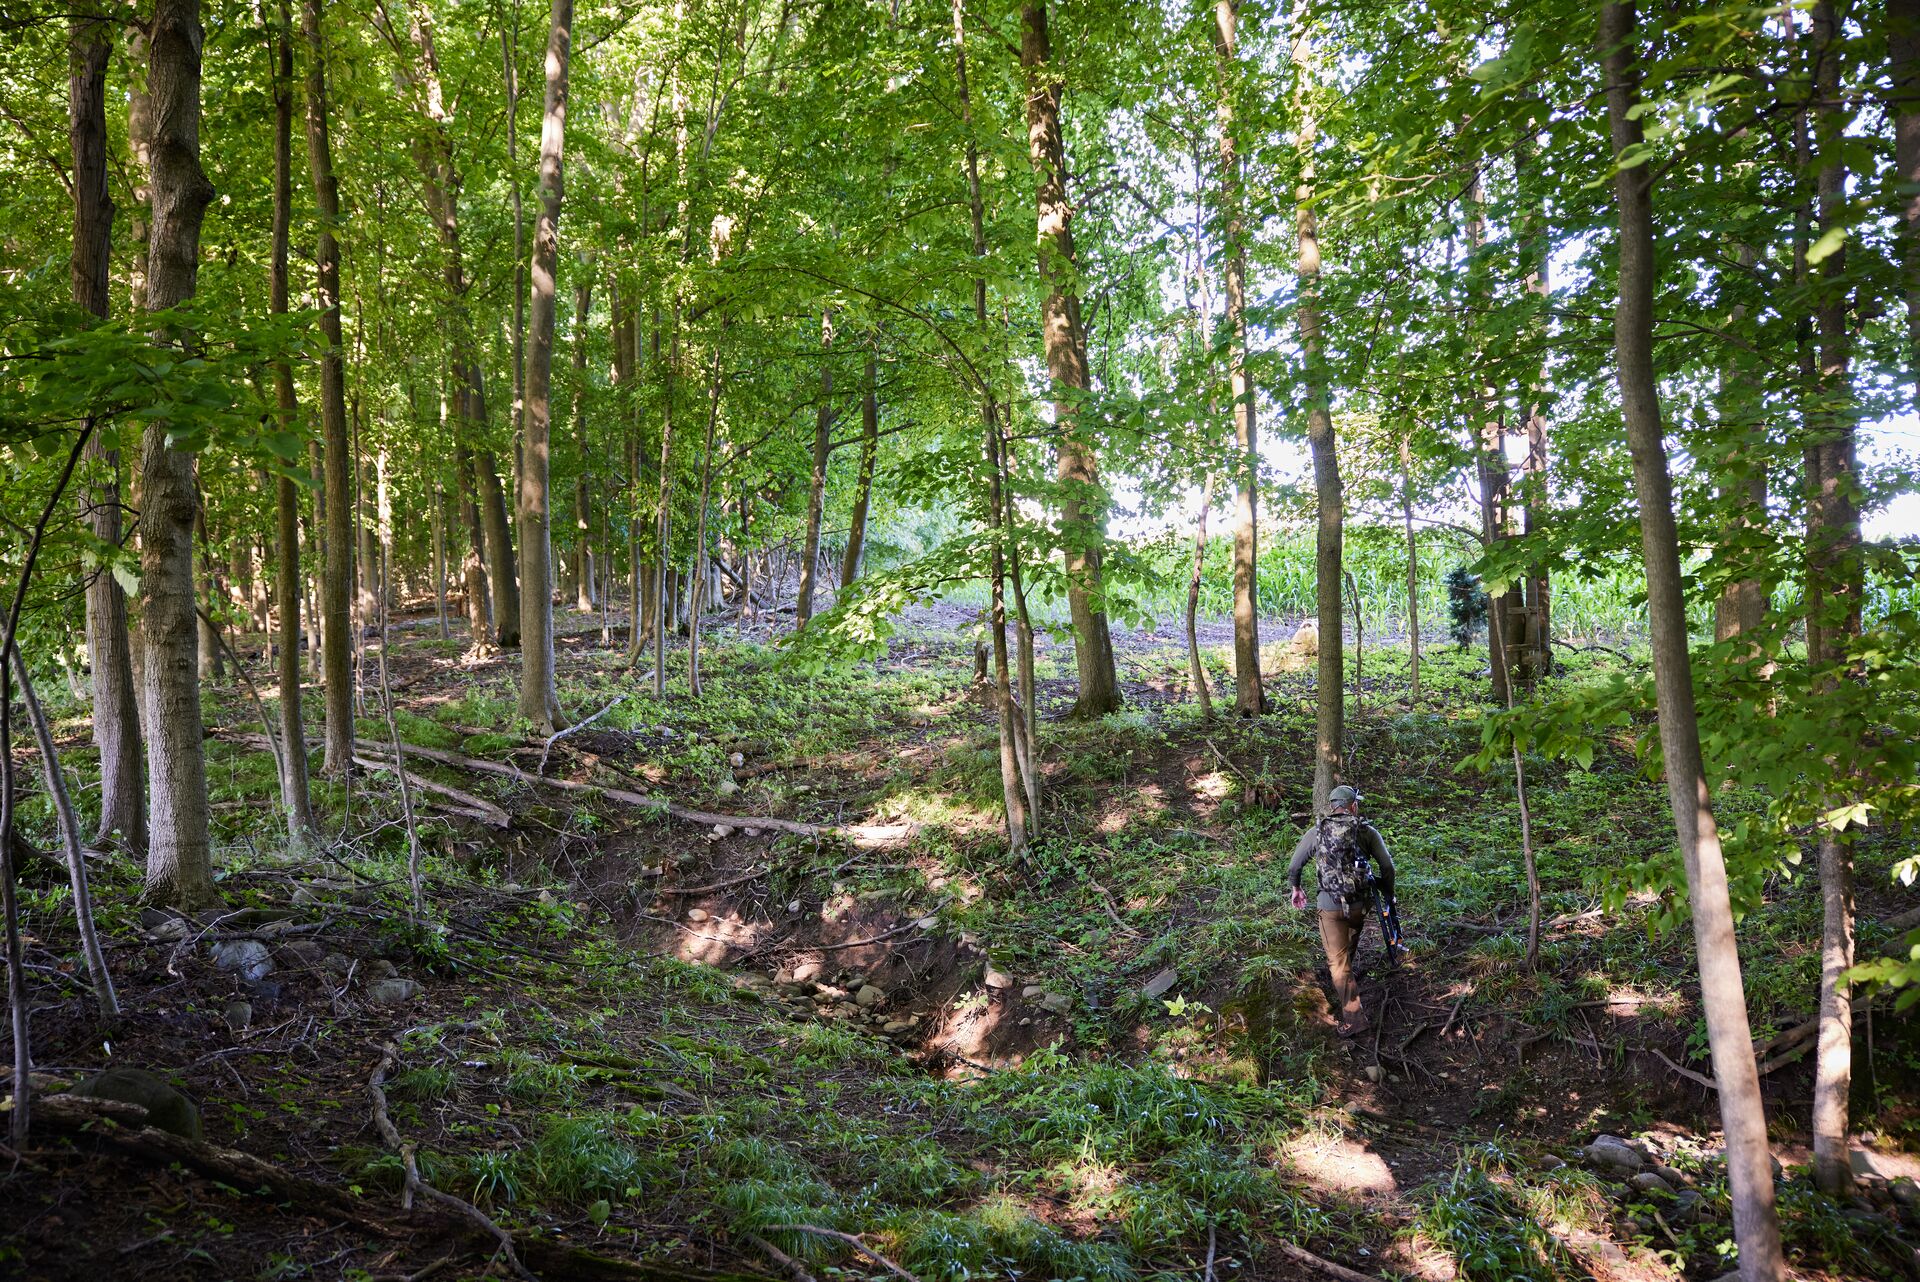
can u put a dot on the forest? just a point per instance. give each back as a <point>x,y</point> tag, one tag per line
<point>688,639</point>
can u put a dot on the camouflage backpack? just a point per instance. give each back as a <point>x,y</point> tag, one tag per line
<point>1337,862</point>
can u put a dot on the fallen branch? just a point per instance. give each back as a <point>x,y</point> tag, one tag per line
<point>493,816</point>
<point>779,1257</point>
<point>871,939</point>
<point>1682,1069</point>
<point>754,875</point>
<point>389,1059</point>
<point>1300,1255</point>
<point>872,834</point>
<point>1113,911</point>
<point>574,730</point>
<point>851,1241</point>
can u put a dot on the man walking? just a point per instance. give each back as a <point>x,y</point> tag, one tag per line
<point>1339,844</point>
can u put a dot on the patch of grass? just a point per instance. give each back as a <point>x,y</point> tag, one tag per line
<point>1481,1216</point>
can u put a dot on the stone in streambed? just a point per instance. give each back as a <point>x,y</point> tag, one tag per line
<point>248,956</point>
<point>1611,1156</point>
<point>870,996</point>
<point>1648,1182</point>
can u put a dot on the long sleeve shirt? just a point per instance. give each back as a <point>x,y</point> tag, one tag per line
<point>1371,844</point>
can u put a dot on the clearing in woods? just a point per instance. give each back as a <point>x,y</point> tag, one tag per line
<point>860,1044</point>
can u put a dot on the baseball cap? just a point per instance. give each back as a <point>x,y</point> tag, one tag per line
<point>1343,796</point>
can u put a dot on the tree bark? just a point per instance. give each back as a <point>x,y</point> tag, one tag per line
<point>295,794</point>
<point>1249,698</point>
<point>661,611</point>
<point>539,702</point>
<point>583,558</point>
<point>1903,49</point>
<point>1742,605</point>
<point>179,871</point>
<point>498,532</point>
<point>116,715</point>
<point>337,580</point>
<point>1083,502</point>
<point>1742,1110</point>
<point>1413,569</point>
<point>473,568</point>
<point>1329,738</point>
<point>1833,538</point>
<point>863,491</point>
<point>1196,670</point>
<point>817,482</point>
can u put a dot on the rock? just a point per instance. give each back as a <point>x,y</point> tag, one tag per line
<point>727,788</point>
<point>1032,991</point>
<point>893,1026</point>
<point>1648,1182</point>
<point>998,978</point>
<point>248,956</point>
<point>1058,1003</point>
<point>379,968</point>
<point>870,996</point>
<point>1905,1192</point>
<point>927,923</point>
<point>392,992</point>
<point>1686,1206</point>
<point>167,1109</point>
<point>737,759</point>
<point>806,972</point>
<point>172,930</point>
<point>1552,1162</point>
<point>722,831</point>
<point>1673,1178</point>
<point>300,954</point>
<point>697,915</point>
<point>1026,1021</point>
<point>1160,983</point>
<point>1611,1156</point>
<point>239,1014</point>
<point>1375,1073</point>
<point>751,832</point>
<point>337,965</point>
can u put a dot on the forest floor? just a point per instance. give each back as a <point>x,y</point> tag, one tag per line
<point>647,1045</point>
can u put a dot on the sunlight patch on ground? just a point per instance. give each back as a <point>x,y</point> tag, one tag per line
<point>1338,1162</point>
<point>709,941</point>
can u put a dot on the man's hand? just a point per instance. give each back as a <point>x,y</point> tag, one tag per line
<point>1299,897</point>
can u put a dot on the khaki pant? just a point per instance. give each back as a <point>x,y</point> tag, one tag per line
<point>1340,933</point>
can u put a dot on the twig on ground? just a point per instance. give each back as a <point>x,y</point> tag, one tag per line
<point>1213,1232</point>
<point>1300,1255</point>
<point>1113,911</point>
<point>480,808</point>
<point>851,1241</point>
<point>389,1059</point>
<point>1455,1012</point>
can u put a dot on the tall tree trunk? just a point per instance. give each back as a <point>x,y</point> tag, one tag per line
<point>697,592</point>
<point>1083,502</point>
<point>498,531</point>
<point>583,559</point>
<point>1196,670</point>
<point>510,79</point>
<point>1833,539</point>
<point>116,716</point>
<point>179,871</point>
<point>817,482</point>
<point>661,613</point>
<point>1249,698</point>
<point>206,589</point>
<point>1903,49</point>
<point>473,568</point>
<point>1019,765</point>
<point>1743,602</point>
<point>1742,1110</point>
<point>294,785</point>
<point>1413,569</point>
<point>863,490</point>
<point>539,702</point>
<point>337,581</point>
<point>1329,738</point>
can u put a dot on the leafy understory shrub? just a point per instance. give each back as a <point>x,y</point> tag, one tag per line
<point>1000,1239</point>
